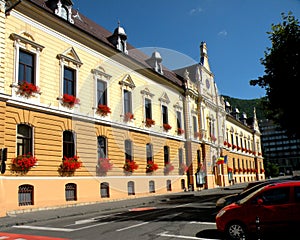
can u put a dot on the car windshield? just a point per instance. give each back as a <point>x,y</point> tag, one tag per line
<point>245,199</point>
<point>252,189</point>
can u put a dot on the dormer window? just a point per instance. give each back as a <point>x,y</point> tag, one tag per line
<point>155,62</point>
<point>62,8</point>
<point>119,38</point>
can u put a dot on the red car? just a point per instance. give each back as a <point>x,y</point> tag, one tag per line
<point>272,208</point>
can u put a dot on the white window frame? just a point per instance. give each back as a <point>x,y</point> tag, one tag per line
<point>28,44</point>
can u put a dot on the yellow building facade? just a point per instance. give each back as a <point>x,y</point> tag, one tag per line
<point>79,107</point>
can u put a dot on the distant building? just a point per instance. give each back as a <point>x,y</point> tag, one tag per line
<point>279,149</point>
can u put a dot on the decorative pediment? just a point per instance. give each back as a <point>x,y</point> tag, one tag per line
<point>164,98</point>
<point>127,81</point>
<point>70,55</point>
<point>146,92</point>
<point>100,73</point>
<point>27,40</point>
<point>178,106</point>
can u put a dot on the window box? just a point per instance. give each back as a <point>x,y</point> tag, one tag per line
<point>166,126</point>
<point>103,110</point>
<point>151,167</point>
<point>130,166</point>
<point>27,89</point>
<point>180,131</point>
<point>69,100</point>
<point>149,122</point>
<point>23,163</point>
<point>103,166</point>
<point>168,168</point>
<point>69,166</point>
<point>128,117</point>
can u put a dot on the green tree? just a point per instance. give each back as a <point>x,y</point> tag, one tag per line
<point>282,75</point>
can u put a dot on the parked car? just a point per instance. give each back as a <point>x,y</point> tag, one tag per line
<point>251,187</point>
<point>273,208</point>
<point>228,199</point>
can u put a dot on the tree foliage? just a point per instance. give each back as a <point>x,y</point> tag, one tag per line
<point>281,78</point>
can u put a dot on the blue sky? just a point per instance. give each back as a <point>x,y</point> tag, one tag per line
<point>235,32</point>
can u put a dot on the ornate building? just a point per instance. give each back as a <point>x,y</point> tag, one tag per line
<point>85,117</point>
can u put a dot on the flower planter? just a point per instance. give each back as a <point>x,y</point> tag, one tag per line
<point>168,168</point>
<point>69,166</point>
<point>128,117</point>
<point>129,167</point>
<point>103,166</point>
<point>103,110</point>
<point>27,89</point>
<point>69,100</point>
<point>166,127</point>
<point>149,122</point>
<point>151,167</point>
<point>23,163</point>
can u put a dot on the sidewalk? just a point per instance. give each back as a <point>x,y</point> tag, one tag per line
<point>48,214</point>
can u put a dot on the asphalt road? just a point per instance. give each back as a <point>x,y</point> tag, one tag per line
<point>187,215</point>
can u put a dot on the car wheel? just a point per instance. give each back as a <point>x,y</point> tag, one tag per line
<point>236,230</point>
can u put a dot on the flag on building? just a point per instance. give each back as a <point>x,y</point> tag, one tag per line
<point>220,160</point>
<point>225,159</point>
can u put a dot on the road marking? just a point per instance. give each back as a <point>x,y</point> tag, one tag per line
<point>204,223</point>
<point>165,234</point>
<point>43,228</point>
<point>141,209</point>
<point>58,229</point>
<point>168,216</point>
<point>133,226</point>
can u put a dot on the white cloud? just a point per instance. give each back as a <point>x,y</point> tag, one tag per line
<point>223,33</point>
<point>194,11</point>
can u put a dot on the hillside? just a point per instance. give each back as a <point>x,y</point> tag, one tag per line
<point>247,106</point>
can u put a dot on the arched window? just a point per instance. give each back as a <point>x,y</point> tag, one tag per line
<point>68,144</point>
<point>128,150</point>
<point>151,186</point>
<point>71,192</point>
<point>130,187</point>
<point>104,190</point>
<point>169,185</point>
<point>24,139</point>
<point>25,195</point>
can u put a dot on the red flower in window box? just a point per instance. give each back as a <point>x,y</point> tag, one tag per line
<point>262,170</point>
<point>27,89</point>
<point>168,168</point>
<point>229,145</point>
<point>180,131</point>
<point>229,169</point>
<point>130,166</point>
<point>69,166</point>
<point>225,143</point>
<point>238,148</point>
<point>233,146</point>
<point>149,122</point>
<point>128,116</point>
<point>151,167</point>
<point>213,138</point>
<point>22,163</point>
<point>183,168</point>
<point>103,166</point>
<point>197,135</point>
<point>69,100</point>
<point>103,110</point>
<point>167,126</point>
